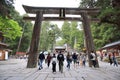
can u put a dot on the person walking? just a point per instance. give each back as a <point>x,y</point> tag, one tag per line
<point>84,60</point>
<point>93,58</point>
<point>60,58</point>
<point>54,61</point>
<point>115,60</point>
<point>69,60</point>
<point>41,59</point>
<point>101,56</point>
<point>110,59</point>
<point>74,57</point>
<point>48,59</point>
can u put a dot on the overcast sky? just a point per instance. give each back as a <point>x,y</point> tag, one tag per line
<point>45,3</point>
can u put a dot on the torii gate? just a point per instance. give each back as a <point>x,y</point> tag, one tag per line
<point>62,12</point>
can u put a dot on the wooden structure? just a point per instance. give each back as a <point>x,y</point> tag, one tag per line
<point>3,48</point>
<point>115,45</point>
<point>112,47</point>
<point>1,37</point>
<point>3,51</point>
<point>84,16</point>
<point>21,54</point>
<point>60,48</point>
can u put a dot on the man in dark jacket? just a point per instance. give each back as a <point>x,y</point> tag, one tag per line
<point>74,57</point>
<point>41,59</point>
<point>60,58</point>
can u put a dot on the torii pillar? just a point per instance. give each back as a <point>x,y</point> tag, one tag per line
<point>32,59</point>
<point>88,38</point>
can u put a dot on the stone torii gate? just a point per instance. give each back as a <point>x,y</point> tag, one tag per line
<point>85,13</point>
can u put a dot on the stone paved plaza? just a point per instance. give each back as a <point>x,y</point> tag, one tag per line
<point>15,69</point>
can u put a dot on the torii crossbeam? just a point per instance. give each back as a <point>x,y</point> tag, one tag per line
<point>62,12</point>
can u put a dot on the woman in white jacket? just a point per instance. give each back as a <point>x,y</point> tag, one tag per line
<point>54,61</point>
<point>93,58</point>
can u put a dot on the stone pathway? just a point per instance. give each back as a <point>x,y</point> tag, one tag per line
<point>15,69</point>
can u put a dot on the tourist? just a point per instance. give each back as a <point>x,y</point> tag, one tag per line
<point>69,60</point>
<point>74,57</point>
<point>110,59</point>
<point>48,59</point>
<point>84,60</point>
<point>60,58</point>
<point>93,58</point>
<point>54,61</point>
<point>115,60</point>
<point>41,59</point>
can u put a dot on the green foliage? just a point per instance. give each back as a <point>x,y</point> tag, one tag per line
<point>44,36</point>
<point>10,28</point>
<point>60,42</point>
<point>26,29</point>
<point>26,36</point>
<point>108,29</point>
<point>103,4</point>
<point>6,7</point>
<point>14,28</point>
<point>49,34</point>
<point>72,35</point>
<point>111,16</point>
<point>106,33</point>
<point>66,32</point>
<point>87,3</point>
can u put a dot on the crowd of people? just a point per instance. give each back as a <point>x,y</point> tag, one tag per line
<point>112,59</point>
<point>60,57</point>
<point>111,56</point>
<point>77,60</point>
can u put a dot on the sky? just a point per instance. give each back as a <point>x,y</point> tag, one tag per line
<point>46,3</point>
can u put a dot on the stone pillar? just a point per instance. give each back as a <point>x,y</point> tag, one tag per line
<point>88,37</point>
<point>33,52</point>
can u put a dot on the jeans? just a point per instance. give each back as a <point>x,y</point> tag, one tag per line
<point>40,64</point>
<point>61,66</point>
<point>68,64</point>
<point>94,63</point>
<point>54,67</point>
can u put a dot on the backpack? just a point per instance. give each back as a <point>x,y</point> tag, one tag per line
<point>54,60</point>
<point>91,56</point>
<point>60,57</point>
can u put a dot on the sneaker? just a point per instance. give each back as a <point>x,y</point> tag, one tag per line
<point>39,68</point>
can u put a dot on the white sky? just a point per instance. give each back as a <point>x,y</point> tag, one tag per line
<point>46,3</point>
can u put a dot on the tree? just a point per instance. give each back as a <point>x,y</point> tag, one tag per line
<point>26,36</point>
<point>66,32</point>
<point>44,43</point>
<point>6,7</point>
<point>12,25</point>
<point>110,21</point>
<point>75,34</point>
<point>10,28</point>
<point>26,30</point>
<point>106,33</point>
<point>87,3</point>
<point>49,34</point>
<point>72,36</point>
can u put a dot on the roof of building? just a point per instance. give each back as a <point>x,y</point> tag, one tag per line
<point>60,47</point>
<point>3,44</point>
<point>111,44</point>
